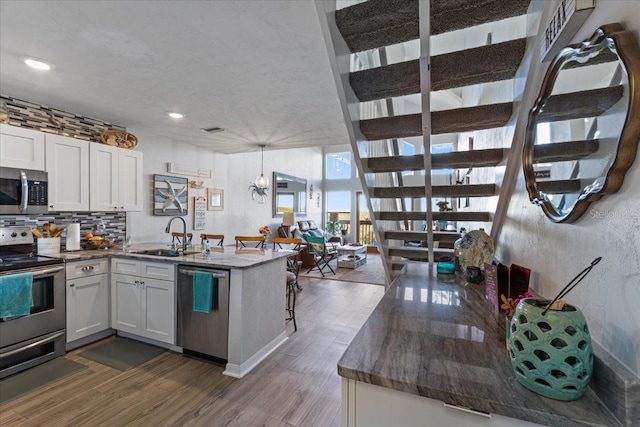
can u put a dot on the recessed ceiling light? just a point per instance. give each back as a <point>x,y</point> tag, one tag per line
<point>37,63</point>
<point>176,115</point>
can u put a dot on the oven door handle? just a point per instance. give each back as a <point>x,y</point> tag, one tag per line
<point>24,197</point>
<point>32,345</point>
<point>47,272</point>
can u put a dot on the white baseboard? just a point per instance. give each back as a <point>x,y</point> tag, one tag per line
<point>238,371</point>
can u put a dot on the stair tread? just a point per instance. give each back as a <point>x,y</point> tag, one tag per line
<point>456,159</point>
<point>369,25</point>
<point>563,151</point>
<point>575,105</point>
<point>374,24</point>
<point>470,216</point>
<point>420,235</point>
<point>417,252</point>
<point>490,63</point>
<point>446,121</point>
<point>470,190</point>
<point>564,186</point>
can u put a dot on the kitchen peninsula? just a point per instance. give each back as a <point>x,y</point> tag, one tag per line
<point>256,296</point>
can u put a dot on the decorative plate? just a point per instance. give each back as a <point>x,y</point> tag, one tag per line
<point>476,249</point>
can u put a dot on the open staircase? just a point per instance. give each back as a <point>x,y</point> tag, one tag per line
<point>399,206</point>
<point>460,75</point>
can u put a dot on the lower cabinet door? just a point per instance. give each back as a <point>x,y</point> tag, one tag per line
<point>126,302</point>
<point>159,310</point>
<point>87,306</point>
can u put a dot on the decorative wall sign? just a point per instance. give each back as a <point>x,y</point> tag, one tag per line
<point>563,24</point>
<point>188,170</point>
<point>169,195</point>
<point>216,199</point>
<point>199,213</point>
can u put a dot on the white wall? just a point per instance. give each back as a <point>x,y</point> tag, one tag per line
<point>609,296</point>
<point>233,173</point>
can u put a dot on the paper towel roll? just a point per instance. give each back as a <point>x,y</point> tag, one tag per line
<point>73,237</point>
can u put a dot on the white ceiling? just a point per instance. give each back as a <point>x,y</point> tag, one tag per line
<point>257,68</point>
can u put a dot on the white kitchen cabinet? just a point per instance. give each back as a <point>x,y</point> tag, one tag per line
<point>115,179</point>
<point>67,163</point>
<point>87,298</point>
<point>21,148</point>
<point>143,298</point>
<point>368,405</point>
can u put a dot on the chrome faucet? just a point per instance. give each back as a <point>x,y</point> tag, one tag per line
<point>184,234</point>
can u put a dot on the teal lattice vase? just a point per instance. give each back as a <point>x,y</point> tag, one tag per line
<point>551,350</point>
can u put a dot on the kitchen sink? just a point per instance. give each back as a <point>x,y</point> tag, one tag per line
<point>158,252</point>
<point>164,252</point>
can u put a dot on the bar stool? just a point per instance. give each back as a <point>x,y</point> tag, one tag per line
<point>218,237</point>
<point>294,244</point>
<point>293,268</point>
<point>240,241</point>
<point>176,236</point>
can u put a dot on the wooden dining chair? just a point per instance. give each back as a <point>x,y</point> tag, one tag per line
<point>212,237</point>
<point>241,240</point>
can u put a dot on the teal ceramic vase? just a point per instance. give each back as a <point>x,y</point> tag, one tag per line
<point>551,354</point>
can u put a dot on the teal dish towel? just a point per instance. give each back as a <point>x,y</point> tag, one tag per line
<point>15,295</point>
<point>205,292</point>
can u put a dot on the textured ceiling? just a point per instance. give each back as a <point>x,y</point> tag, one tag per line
<point>258,68</point>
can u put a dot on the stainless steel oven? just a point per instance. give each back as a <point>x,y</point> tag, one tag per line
<point>23,191</point>
<point>40,335</point>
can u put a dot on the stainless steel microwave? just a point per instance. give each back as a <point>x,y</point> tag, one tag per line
<point>23,191</point>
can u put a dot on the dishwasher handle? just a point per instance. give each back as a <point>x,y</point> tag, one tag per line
<point>214,274</point>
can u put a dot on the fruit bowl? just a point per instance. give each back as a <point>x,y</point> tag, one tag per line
<point>100,244</point>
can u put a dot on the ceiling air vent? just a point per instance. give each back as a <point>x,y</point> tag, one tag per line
<point>214,129</point>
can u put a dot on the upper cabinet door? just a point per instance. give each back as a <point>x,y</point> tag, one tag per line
<point>103,178</point>
<point>115,178</point>
<point>130,186</point>
<point>67,163</point>
<point>21,148</point>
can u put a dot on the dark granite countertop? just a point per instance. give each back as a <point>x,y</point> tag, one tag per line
<point>439,339</point>
<point>220,257</point>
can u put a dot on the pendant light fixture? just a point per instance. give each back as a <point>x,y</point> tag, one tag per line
<point>262,181</point>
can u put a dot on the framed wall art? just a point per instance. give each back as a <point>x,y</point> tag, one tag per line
<point>215,201</point>
<point>169,195</point>
<point>199,213</point>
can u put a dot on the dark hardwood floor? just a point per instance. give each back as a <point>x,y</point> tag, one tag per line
<point>297,385</point>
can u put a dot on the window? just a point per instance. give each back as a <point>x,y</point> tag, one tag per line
<point>338,201</point>
<point>442,148</point>
<point>407,149</point>
<point>338,166</point>
<point>338,210</point>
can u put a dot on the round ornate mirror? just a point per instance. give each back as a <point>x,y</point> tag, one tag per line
<point>583,130</point>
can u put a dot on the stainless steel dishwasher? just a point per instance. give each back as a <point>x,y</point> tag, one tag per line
<point>203,334</point>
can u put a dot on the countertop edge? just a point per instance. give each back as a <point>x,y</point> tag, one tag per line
<point>218,260</point>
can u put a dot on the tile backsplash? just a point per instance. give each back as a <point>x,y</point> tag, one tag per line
<point>39,117</point>
<point>115,222</point>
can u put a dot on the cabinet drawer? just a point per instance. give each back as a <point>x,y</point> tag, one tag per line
<point>157,270</point>
<point>87,268</point>
<point>133,267</point>
<point>125,266</point>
